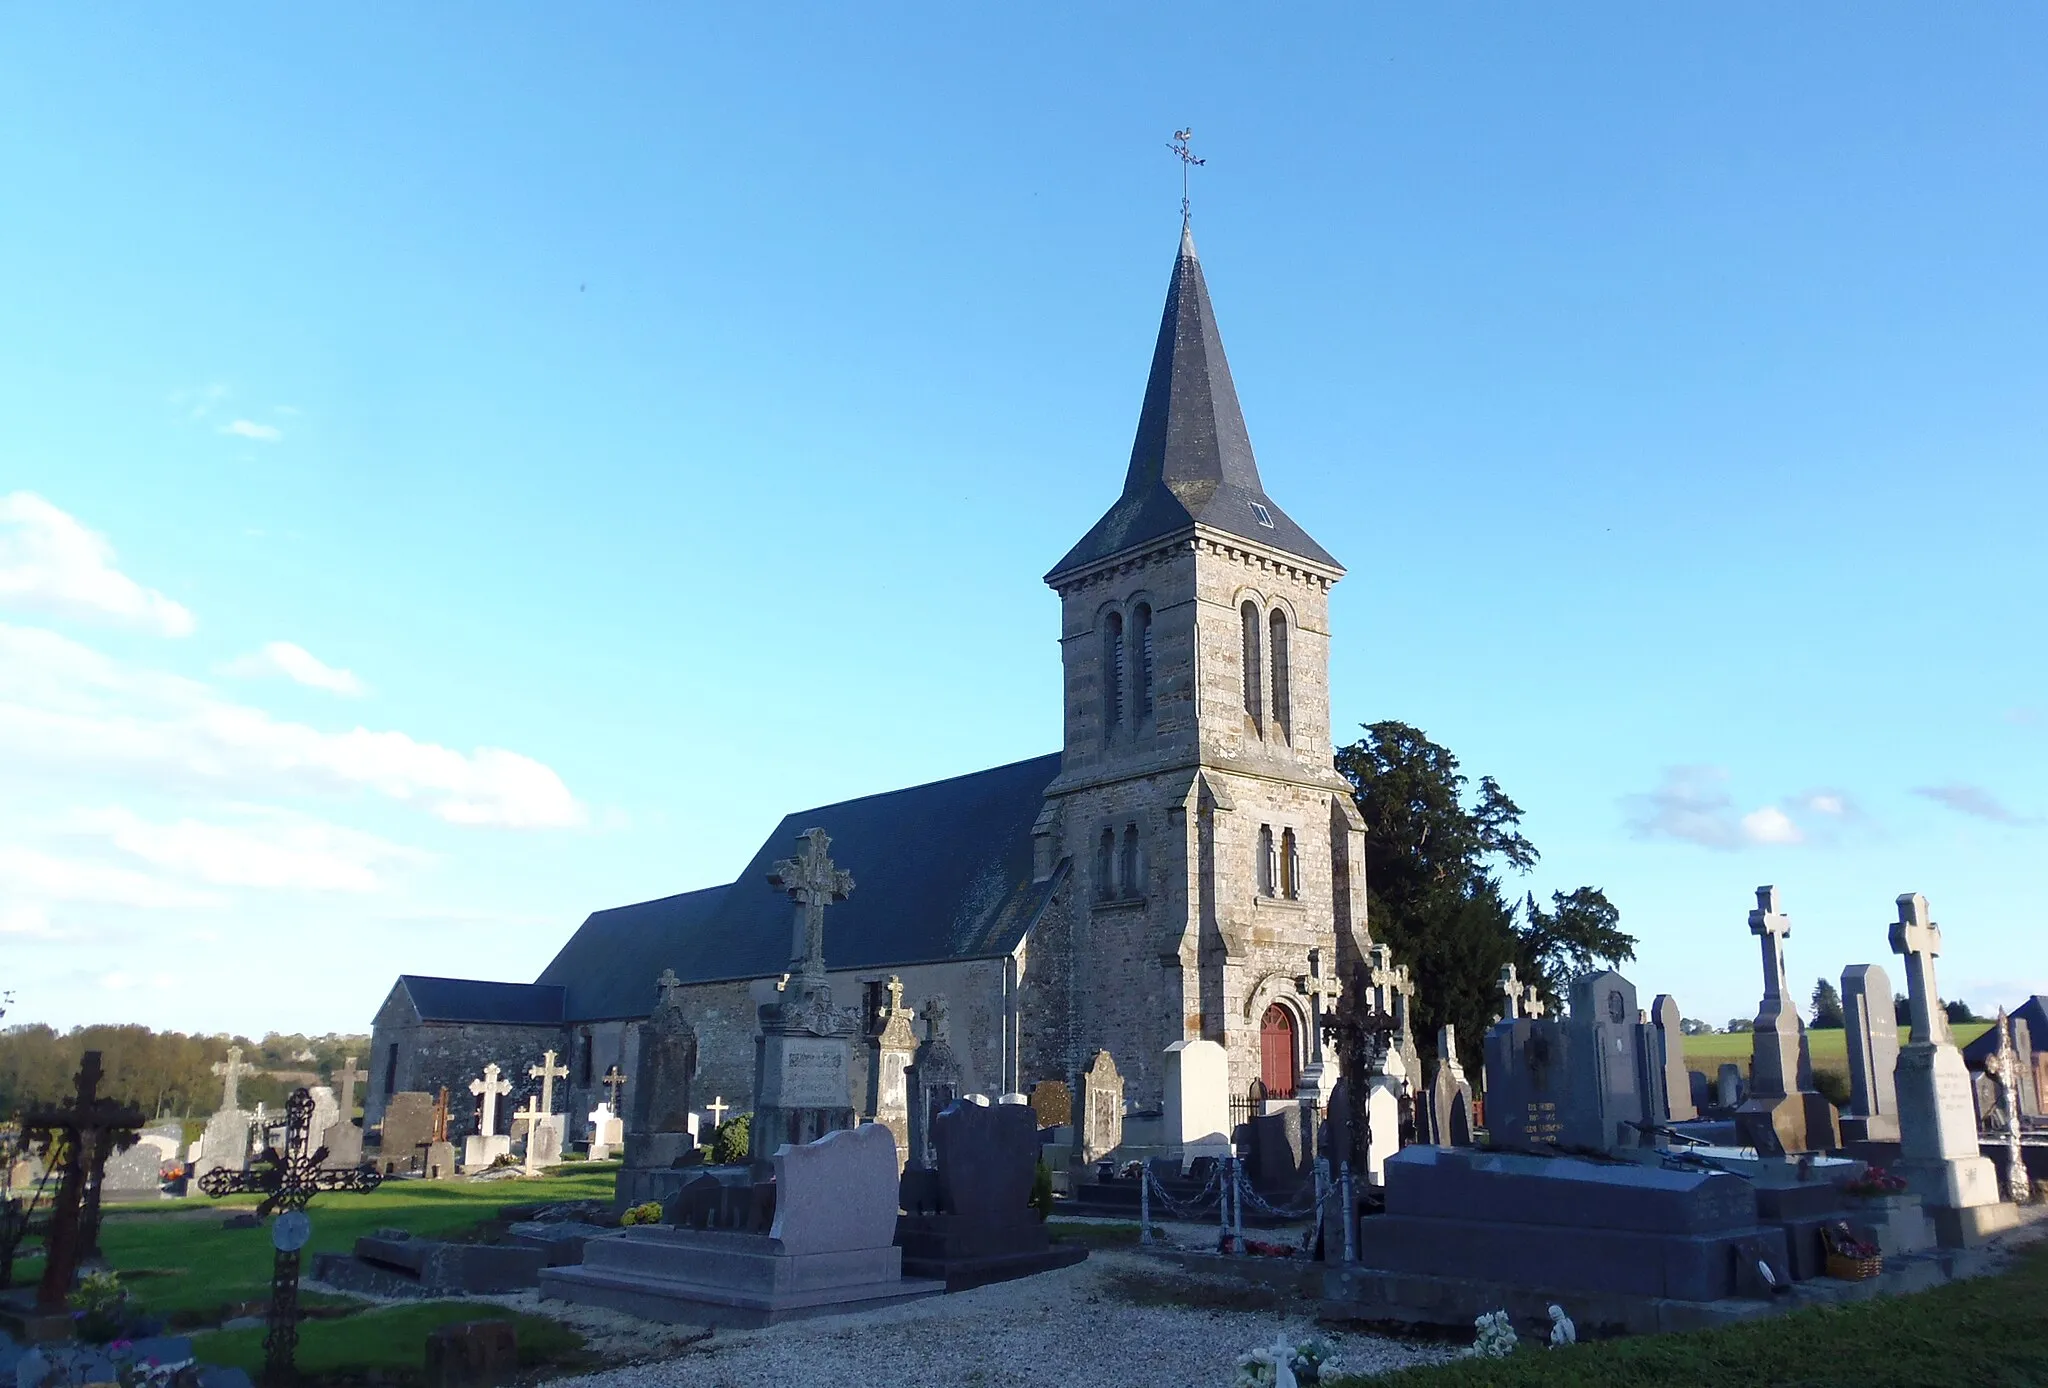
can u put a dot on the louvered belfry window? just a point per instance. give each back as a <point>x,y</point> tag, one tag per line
<point>1113,671</point>
<point>1283,713</point>
<point>1144,661</point>
<point>1254,681</point>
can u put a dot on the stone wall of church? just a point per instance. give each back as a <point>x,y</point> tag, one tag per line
<point>408,1056</point>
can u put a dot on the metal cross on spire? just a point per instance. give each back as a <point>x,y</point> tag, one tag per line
<point>1187,161</point>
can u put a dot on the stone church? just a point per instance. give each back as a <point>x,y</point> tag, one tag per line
<point>1188,865</point>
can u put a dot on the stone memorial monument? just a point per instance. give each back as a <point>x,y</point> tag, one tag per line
<point>970,1222</point>
<point>830,1248</point>
<point>1197,1110</point>
<point>932,1082</point>
<point>659,1130</point>
<point>1526,1071</point>
<point>1871,1031</point>
<point>891,1050</point>
<point>1450,1095</point>
<point>1784,1113</point>
<point>1669,1021</point>
<point>226,1139</point>
<point>547,1072</point>
<point>2004,1068</point>
<point>439,1161</point>
<point>1321,989</point>
<point>405,1133</point>
<point>1101,1120</point>
<point>1617,1068</point>
<point>1386,1089</point>
<point>1937,1121</point>
<point>487,1144</point>
<point>343,1139</point>
<point>803,1057</point>
<point>606,1132</point>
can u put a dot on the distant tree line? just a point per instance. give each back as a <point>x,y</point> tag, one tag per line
<point>1827,1010</point>
<point>165,1073</point>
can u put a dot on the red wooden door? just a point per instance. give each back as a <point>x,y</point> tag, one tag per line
<point>1276,1052</point>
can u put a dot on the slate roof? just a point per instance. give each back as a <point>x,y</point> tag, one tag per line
<point>2034,1010</point>
<point>1191,462</point>
<point>608,967</point>
<point>472,1000</point>
<point>941,871</point>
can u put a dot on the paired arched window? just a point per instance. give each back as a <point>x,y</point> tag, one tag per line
<point>1144,622</point>
<point>1290,866</point>
<point>1113,671</point>
<point>1269,867</point>
<point>1283,714</point>
<point>1254,641</point>
<point>1105,866</point>
<point>1119,865</point>
<point>1129,873</point>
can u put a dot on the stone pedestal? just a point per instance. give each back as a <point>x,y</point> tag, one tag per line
<point>970,1222</point>
<point>1197,1110</point>
<point>479,1150</point>
<point>1938,1152</point>
<point>803,1089</point>
<point>440,1161</point>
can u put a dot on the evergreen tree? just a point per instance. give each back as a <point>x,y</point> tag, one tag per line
<point>1827,1005</point>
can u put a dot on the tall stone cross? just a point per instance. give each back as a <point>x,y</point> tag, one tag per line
<point>347,1078</point>
<point>1322,991</point>
<point>231,1071</point>
<point>1919,940</point>
<point>488,1089</point>
<point>813,882</point>
<point>531,1116</point>
<point>936,1027</point>
<point>1518,999</point>
<point>547,1072</point>
<point>614,1080</point>
<point>1771,925</point>
<point>670,986</point>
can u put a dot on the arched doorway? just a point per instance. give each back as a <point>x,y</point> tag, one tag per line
<point>1276,1052</point>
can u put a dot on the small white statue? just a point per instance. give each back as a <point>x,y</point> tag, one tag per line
<point>1562,1331</point>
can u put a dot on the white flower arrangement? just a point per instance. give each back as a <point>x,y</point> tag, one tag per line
<point>1496,1337</point>
<point>1281,1365</point>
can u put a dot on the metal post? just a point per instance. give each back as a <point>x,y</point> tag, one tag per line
<point>1237,1201</point>
<point>1144,1203</point>
<point>1347,1213</point>
<point>1223,1206</point>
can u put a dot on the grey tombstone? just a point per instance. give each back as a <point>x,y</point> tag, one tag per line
<point>226,1139</point>
<point>891,1049</point>
<point>803,1052</point>
<point>1450,1095</point>
<point>932,1083</point>
<point>133,1174</point>
<point>658,1127</point>
<point>1617,1067</point>
<point>1702,1090</point>
<point>1527,1077</point>
<point>1102,1108</point>
<point>344,1140</point>
<point>1871,1032</point>
<point>1729,1086</point>
<point>1669,1021</point>
<point>970,1222</point>
<point>407,1128</point>
<point>1784,1113</point>
<point>2023,1047</point>
<point>1281,1149</point>
<point>326,1113</point>
<point>1939,1155</point>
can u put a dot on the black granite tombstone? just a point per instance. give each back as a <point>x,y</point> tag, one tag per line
<point>983,1228</point>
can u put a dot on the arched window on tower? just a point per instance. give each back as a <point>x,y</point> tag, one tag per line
<point>1254,640</point>
<point>1130,873</point>
<point>1105,866</point>
<point>1144,619</point>
<point>1113,672</point>
<point>1283,713</point>
<point>1268,867</point>
<point>1290,866</point>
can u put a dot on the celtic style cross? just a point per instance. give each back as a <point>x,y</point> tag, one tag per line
<point>488,1089</point>
<point>1187,162</point>
<point>347,1078</point>
<point>547,1072</point>
<point>614,1080</point>
<point>232,1070</point>
<point>288,1177</point>
<point>1771,925</point>
<point>1322,992</point>
<point>813,882</point>
<point>1918,938</point>
<point>935,1019</point>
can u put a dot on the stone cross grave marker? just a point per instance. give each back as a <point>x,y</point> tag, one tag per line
<point>814,882</point>
<point>344,1140</point>
<point>90,1128</point>
<point>1784,1113</point>
<point>2003,1065</point>
<point>614,1080</point>
<point>547,1072</point>
<point>1518,999</point>
<point>1918,938</point>
<point>717,1108</point>
<point>489,1089</point>
<point>532,1118</point>
<point>231,1072</point>
<point>288,1175</point>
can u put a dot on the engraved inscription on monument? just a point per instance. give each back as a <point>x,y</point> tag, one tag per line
<point>813,1073</point>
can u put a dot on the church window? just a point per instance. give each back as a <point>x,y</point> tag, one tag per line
<point>1290,867</point>
<point>1276,1052</point>
<point>1113,671</point>
<point>1283,713</point>
<point>1105,866</point>
<point>1144,617</point>
<point>1128,871</point>
<point>1254,639</point>
<point>1267,865</point>
<point>589,1056</point>
<point>391,1070</point>
<point>1264,516</point>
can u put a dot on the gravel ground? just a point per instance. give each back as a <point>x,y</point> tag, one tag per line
<point>1120,1317</point>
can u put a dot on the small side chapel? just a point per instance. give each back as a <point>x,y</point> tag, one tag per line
<point>1189,866</point>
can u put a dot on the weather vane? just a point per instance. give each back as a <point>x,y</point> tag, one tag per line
<point>1187,161</point>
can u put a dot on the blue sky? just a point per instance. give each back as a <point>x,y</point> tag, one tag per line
<point>467,470</point>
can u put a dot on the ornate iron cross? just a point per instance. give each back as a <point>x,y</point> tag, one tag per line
<point>288,1177</point>
<point>1187,162</point>
<point>614,1080</point>
<point>92,1128</point>
<point>814,882</point>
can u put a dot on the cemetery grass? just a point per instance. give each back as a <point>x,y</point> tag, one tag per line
<point>390,1344</point>
<point>1830,1048</point>
<point>179,1263</point>
<point>1987,1332</point>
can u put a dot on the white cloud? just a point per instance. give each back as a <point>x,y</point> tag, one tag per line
<point>200,402</point>
<point>298,664</point>
<point>24,918</point>
<point>271,849</point>
<point>34,874</point>
<point>50,563</point>
<point>1974,801</point>
<point>1693,806</point>
<point>250,429</point>
<point>66,706</point>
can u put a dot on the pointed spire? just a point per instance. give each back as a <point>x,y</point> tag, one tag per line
<point>1191,462</point>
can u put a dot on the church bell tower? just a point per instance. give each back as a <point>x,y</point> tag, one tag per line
<point>1216,879</point>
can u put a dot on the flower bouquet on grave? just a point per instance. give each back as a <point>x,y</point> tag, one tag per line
<point>648,1213</point>
<point>1876,1181</point>
<point>1849,1258</point>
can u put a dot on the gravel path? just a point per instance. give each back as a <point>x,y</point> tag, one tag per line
<point>1120,1317</point>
